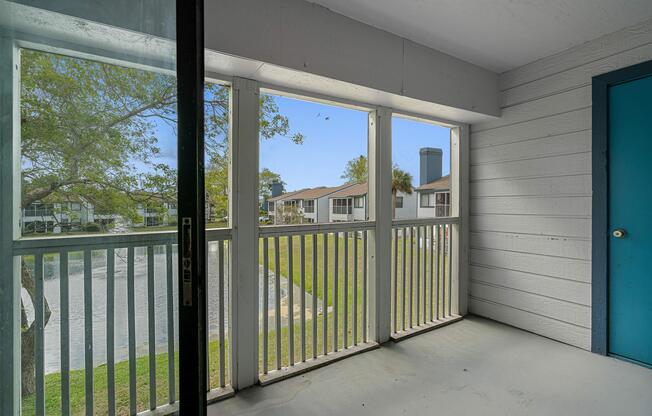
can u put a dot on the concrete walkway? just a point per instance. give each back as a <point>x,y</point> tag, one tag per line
<point>473,367</point>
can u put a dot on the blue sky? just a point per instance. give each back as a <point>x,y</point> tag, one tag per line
<point>335,135</point>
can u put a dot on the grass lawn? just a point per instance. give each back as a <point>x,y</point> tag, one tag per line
<point>296,277</point>
<point>309,260</point>
<point>100,387</point>
<point>411,250</point>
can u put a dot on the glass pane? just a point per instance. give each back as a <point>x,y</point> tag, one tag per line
<point>216,158</point>
<point>313,170</point>
<point>420,286</point>
<point>93,159</point>
<point>216,105</point>
<point>98,146</point>
<point>314,152</point>
<point>421,159</point>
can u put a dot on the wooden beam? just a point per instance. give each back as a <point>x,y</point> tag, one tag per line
<point>9,266</point>
<point>380,211</point>
<point>244,222</point>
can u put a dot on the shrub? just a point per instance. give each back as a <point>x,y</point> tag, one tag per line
<point>92,227</point>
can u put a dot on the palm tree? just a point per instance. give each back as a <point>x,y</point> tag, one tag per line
<point>401,182</point>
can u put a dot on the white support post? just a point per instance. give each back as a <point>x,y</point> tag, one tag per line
<point>380,211</point>
<point>10,378</point>
<point>244,212</point>
<point>460,208</point>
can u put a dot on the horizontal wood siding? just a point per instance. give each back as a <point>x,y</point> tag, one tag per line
<point>530,225</point>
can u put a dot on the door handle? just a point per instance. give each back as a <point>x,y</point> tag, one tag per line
<point>618,233</point>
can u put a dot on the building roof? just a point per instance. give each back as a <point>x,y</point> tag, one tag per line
<point>441,184</point>
<point>347,190</point>
<point>310,193</point>
<point>286,195</point>
<point>358,189</point>
<point>314,193</point>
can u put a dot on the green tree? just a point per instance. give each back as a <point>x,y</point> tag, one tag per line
<point>356,170</point>
<point>266,179</point>
<point>401,182</point>
<point>217,188</point>
<point>217,182</point>
<point>89,130</point>
<point>288,214</point>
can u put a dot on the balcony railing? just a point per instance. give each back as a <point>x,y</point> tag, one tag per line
<point>422,275</point>
<point>112,306</point>
<point>442,210</point>
<point>325,266</point>
<point>94,285</point>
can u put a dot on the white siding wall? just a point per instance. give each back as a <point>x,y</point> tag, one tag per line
<point>424,212</point>
<point>359,214</point>
<point>310,38</point>
<point>530,234</point>
<point>409,210</point>
<point>309,215</point>
<point>322,208</point>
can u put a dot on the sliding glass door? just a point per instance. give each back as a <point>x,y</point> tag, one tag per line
<point>94,287</point>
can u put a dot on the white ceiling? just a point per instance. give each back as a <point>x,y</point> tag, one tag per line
<point>496,34</point>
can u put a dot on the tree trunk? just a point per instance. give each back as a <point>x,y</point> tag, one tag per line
<point>28,332</point>
<point>28,379</point>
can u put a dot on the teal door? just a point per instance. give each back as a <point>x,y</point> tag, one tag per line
<point>630,220</point>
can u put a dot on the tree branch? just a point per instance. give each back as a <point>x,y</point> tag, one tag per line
<point>44,191</point>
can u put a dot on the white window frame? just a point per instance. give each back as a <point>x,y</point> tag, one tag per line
<point>345,203</point>
<point>429,196</point>
<point>459,202</point>
<point>445,206</point>
<point>309,206</point>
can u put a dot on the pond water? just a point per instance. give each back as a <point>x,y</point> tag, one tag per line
<point>99,308</point>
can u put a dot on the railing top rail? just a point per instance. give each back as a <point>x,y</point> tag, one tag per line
<point>215,234</point>
<point>80,242</point>
<point>425,221</point>
<point>102,241</point>
<point>329,227</point>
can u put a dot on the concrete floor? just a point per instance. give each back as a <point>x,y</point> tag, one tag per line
<point>473,367</point>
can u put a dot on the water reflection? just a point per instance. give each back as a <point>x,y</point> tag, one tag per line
<point>99,304</point>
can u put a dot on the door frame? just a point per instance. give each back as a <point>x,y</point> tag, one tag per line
<point>192,263</point>
<point>600,199</point>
